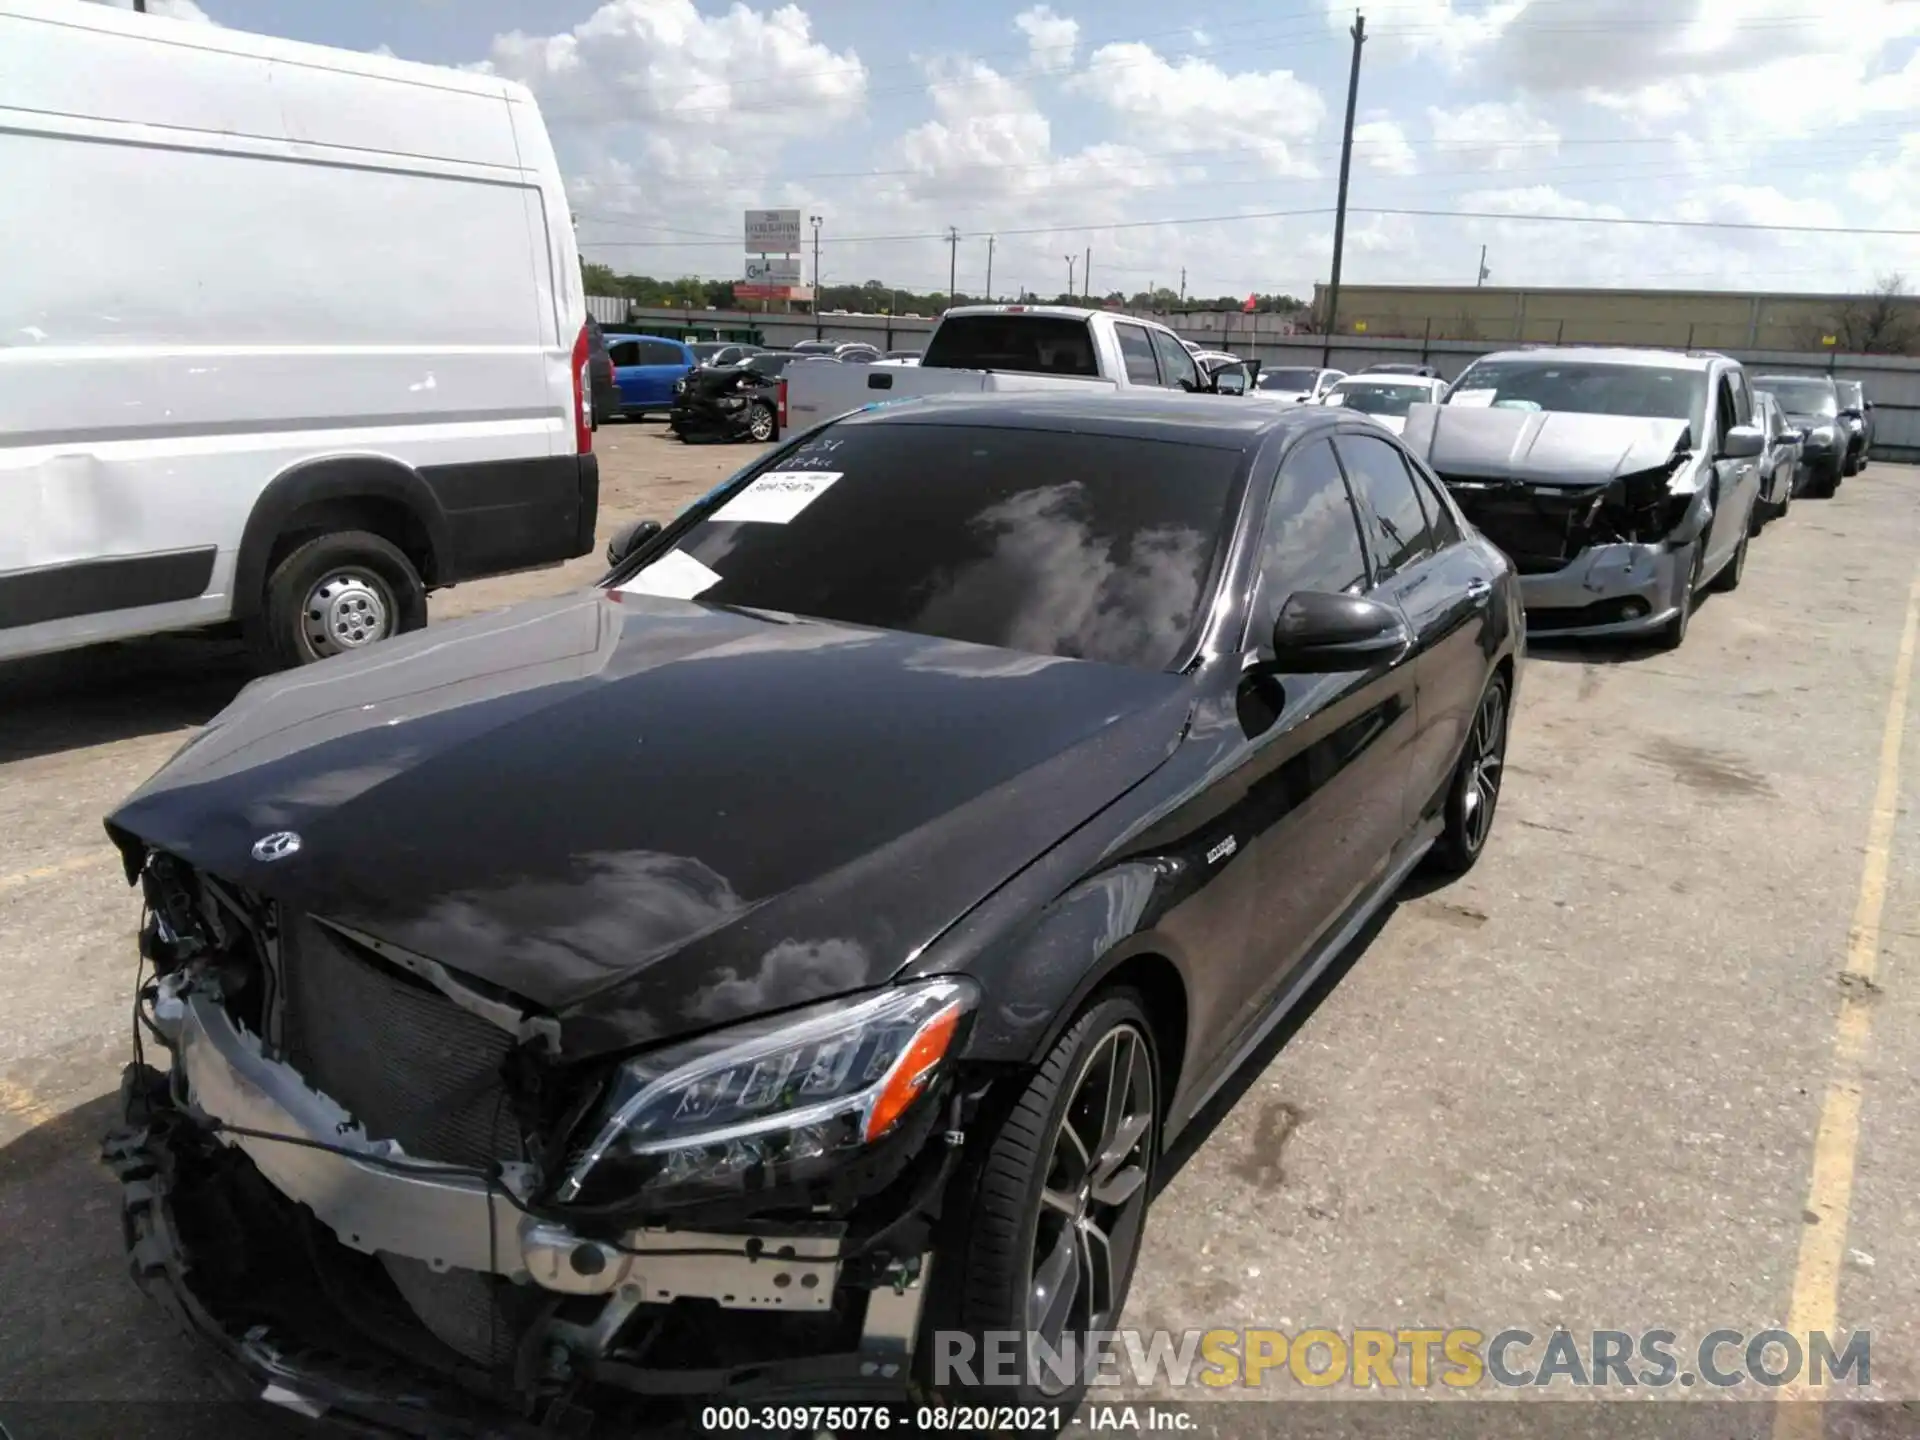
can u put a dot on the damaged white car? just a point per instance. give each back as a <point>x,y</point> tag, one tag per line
<point>1620,482</point>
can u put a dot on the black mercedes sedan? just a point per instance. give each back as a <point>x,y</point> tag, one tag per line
<point>781,969</point>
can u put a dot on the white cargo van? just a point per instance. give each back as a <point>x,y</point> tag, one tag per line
<point>289,336</point>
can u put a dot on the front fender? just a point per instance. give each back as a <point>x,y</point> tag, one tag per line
<point>1694,523</point>
<point>1036,977</point>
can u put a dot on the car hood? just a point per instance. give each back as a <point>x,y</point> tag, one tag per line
<point>1547,447</point>
<point>649,816</point>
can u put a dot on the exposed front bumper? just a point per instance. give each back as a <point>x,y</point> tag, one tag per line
<point>707,418</point>
<point>384,1202</point>
<point>271,1250</point>
<point>1620,589</point>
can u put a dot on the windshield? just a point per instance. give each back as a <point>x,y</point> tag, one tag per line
<point>1289,380</point>
<point>1653,392</point>
<point>767,362</point>
<point>1800,397</point>
<point>1850,393</point>
<point>1090,547</point>
<point>1375,398</point>
<point>1030,344</point>
<point>705,350</point>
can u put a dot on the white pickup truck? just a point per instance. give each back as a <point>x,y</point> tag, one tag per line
<point>984,348</point>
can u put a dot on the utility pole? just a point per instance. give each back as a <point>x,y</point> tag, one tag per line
<point>1086,276</point>
<point>1359,33</point>
<point>139,7</point>
<point>990,269</point>
<point>1183,287</point>
<point>953,262</point>
<point>1072,294</point>
<point>816,275</point>
<point>1484,272</point>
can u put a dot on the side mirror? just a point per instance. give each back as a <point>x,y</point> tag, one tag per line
<point>629,538</point>
<point>1743,442</point>
<point>1317,634</point>
<point>1228,380</point>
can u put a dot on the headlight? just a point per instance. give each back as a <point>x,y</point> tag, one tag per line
<point>773,1101</point>
<point>1824,435</point>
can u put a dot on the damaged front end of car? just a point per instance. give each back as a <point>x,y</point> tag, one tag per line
<point>380,1189</point>
<point>1598,513</point>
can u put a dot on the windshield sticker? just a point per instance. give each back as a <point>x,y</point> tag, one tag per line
<point>1482,398</point>
<point>777,496</point>
<point>674,576</point>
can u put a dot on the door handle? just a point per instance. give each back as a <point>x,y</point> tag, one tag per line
<point>1478,590</point>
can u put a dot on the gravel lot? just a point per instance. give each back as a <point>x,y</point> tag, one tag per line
<point>1581,1087</point>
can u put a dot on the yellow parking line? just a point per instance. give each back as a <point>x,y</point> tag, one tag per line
<point>67,866</point>
<point>1823,1239</point>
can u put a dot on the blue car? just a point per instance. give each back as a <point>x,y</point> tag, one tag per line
<point>645,370</point>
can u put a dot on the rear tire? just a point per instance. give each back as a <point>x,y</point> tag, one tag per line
<point>1061,1200</point>
<point>332,595</point>
<point>1474,795</point>
<point>763,427</point>
<point>1826,480</point>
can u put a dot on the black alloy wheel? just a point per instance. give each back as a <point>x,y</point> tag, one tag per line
<point>1049,1246</point>
<point>1475,792</point>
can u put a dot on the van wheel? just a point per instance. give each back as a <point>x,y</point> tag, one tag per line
<point>1062,1201</point>
<point>1674,633</point>
<point>334,594</point>
<point>1729,579</point>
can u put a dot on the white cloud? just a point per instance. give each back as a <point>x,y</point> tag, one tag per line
<point>1051,38</point>
<point>1156,96</point>
<point>663,63</point>
<point>1418,29</point>
<point>1382,145</point>
<point>1492,136</point>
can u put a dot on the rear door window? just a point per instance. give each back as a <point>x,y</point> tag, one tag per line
<point>1136,349</point>
<point>624,352</point>
<point>1176,365</point>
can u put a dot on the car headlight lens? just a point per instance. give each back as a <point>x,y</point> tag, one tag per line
<point>1824,435</point>
<point>773,1101</point>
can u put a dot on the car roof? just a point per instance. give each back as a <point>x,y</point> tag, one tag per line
<point>1613,355</point>
<point>643,335</point>
<point>1388,377</point>
<point>1761,381</point>
<point>1219,421</point>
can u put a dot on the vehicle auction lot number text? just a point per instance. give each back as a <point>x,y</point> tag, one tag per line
<point>909,1420</point>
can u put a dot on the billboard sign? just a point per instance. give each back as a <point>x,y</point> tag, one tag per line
<point>772,232</point>
<point>773,292</point>
<point>773,270</point>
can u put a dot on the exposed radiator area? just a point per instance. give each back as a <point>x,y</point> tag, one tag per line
<point>412,1066</point>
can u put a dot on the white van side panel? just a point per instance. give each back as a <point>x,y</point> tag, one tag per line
<point>194,307</point>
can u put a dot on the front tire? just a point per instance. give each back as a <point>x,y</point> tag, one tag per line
<point>1475,792</point>
<point>335,594</point>
<point>1061,1202</point>
<point>1728,580</point>
<point>1674,633</point>
<point>763,427</point>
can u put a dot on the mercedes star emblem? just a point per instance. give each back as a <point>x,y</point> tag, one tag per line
<point>277,846</point>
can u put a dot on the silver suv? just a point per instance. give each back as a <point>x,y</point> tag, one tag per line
<point>1620,482</point>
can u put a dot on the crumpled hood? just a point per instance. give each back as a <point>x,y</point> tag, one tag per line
<point>649,816</point>
<point>1547,447</point>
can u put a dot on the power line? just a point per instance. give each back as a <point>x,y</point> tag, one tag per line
<point>1636,220</point>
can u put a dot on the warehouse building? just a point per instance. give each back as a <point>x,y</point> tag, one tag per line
<point>1688,319</point>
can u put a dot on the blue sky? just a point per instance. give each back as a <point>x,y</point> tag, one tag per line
<point>1063,127</point>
